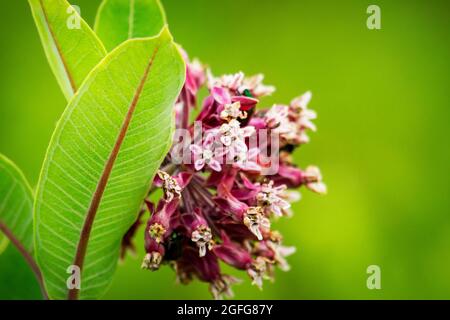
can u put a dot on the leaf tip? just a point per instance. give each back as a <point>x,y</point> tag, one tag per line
<point>165,34</point>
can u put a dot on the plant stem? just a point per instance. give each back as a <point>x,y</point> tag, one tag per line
<point>186,110</point>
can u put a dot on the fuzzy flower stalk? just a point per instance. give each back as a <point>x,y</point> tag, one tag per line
<point>219,200</point>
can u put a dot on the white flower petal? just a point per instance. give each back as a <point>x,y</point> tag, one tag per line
<point>199,164</point>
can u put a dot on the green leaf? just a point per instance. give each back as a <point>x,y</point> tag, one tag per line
<point>3,242</point>
<point>71,51</point>
<point>119,20</point>
<point>101,161</point>
<point>16,204</point>
<point>17,280</point>
<point>16,227</point>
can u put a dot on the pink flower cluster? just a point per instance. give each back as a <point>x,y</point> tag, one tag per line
<point>213,212</point>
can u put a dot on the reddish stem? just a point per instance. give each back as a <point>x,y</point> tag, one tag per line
<point>27,255</point>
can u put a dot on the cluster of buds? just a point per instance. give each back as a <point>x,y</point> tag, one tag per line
<point>213,210</point>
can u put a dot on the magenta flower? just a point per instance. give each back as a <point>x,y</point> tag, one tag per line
<point>206,154</point>
<point>218,205</point>
<point>273,199</point>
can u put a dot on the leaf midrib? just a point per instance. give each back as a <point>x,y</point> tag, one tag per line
<point>26,254</point>
<point>101,186</point>
<point>58,48</point>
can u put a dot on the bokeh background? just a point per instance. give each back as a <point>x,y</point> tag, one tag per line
<point>382,144</point>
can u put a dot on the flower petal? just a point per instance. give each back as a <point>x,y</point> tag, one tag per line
<point>199,164</point>
<point>195,149</point>
<point>215,165</point>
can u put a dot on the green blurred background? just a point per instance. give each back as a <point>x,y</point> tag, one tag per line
<point>382,144</point>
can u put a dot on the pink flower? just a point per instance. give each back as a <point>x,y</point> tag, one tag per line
<point>199,230</point>
<point>273,199</point>
<point>206,155</point>
<point>232,253</point>
<point>256,221</point>
<point>313,180</point>
<point>256,87</point>
<point>247,160</point>
<point>239,83</point>
<point>220,207</point>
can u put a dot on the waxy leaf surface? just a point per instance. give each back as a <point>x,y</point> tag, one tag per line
<point>101,161</point>
<point>71,46</point>
<point>120,20</point>
<point>17,280</point>
<point>16,206</point>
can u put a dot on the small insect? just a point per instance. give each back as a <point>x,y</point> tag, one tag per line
<point>247,93</point>
<point>289,148</point>
<point>174,247</point>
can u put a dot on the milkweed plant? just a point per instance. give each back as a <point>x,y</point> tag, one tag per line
<point>137,146</point>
